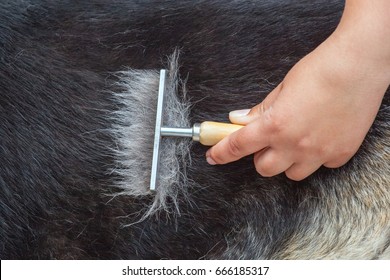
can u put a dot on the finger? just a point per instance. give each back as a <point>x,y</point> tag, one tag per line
<point>246,116</point>
<point>336,163</point>
<point>243,142</point>
<point>299,171</point>
<point>342,159</point>
<point>269,163</point>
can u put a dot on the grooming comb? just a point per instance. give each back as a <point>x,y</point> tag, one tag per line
<point>207,133</point>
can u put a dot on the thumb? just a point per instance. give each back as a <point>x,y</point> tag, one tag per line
<point>246,116</point>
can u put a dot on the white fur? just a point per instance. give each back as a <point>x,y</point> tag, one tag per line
<point>134,134</point>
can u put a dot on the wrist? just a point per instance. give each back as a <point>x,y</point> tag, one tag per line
<point>364,34</point>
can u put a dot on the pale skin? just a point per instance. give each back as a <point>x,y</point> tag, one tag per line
<point>321,112</point>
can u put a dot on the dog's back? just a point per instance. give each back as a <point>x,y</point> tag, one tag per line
<point>58,76</point>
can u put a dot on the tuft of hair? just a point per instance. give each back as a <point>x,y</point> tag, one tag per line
<point>136,95</point>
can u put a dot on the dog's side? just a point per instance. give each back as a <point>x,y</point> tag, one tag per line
<point>58,65</point>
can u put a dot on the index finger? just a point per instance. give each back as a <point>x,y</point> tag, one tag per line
<point>241,143</point>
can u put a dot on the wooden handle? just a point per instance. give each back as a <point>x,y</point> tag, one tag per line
<point>213,132</point>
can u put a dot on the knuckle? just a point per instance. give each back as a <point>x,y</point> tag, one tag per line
<point>333,164</point>
<point>217,157</point>
<point>260,169</point>
<point>257,110</point>
<point>234,147</point>
<point>231,150</point>
<point>323,151</point>
<point>336,163</point>
<point>295,175</point>
<point>266,167</point>
<point>309,146</point>
<point>347,152</point>
<point>304,143</point>
<point>342,156</point>
<point>274,122</point>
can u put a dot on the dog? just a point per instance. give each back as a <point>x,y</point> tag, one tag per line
<point>62,175</point>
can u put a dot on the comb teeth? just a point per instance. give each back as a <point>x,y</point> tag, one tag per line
<point>157,131</point>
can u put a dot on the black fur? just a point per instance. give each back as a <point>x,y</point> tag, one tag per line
<point>56,65</point>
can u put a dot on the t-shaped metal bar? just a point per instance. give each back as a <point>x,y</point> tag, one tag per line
<point>157,131</point>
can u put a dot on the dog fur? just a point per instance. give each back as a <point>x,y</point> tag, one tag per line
<point>67,147</point>
<point>134,125</point>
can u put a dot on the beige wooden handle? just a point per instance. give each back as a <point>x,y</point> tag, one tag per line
<point>213,132</point>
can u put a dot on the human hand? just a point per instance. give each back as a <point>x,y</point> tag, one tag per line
<point>319,115</point>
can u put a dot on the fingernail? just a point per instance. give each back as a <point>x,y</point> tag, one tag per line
<point>239,113</point>
<point>209,159</point>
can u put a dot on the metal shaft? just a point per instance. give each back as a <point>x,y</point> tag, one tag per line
<point>176,131</point>
<point>182,131</point>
